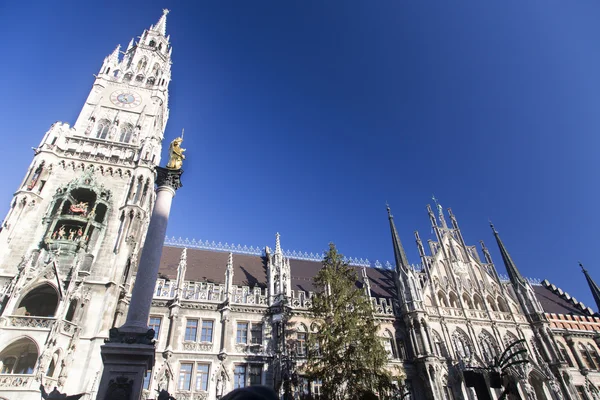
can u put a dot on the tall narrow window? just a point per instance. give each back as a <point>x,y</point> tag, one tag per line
<point>185,376</point>
<point>587,358</point>
<point>202,377</point>
<point>126,133</point>
<point>301,343</point>
<point>565,354</point>
<point>207,331</point>
<point>154,323</point>
<point>255,374</point>
<point>256,333</point>
<point>241,335</point>
<point>102,130</point>
<point>239,377</point>
<point>594,355</point>
<point>191,330</point>
<point>316,388</point>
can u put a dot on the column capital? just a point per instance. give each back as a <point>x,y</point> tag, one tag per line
<point>169,177</point>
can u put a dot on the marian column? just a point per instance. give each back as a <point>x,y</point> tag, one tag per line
<point>129,351</point>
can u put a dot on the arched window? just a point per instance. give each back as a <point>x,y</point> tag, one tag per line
<point>19,357</point>
<point>53,363</point>
<point>116,73</point>
<point>155,70</point>
<point>102,129</point>
<point>126,133</point>
<point>462,344</point>
<point>141,65</point>
<point>36,176</point>
<point>160,46</point>
<point>478,302</point>
<point>586,356</point>
<point>565,354</point>
<point>388,344</point>
<point>438,344</point>
<point>488,346</point>
<point>128,76</point>
<point>467,301</point>
<point>442,299</point>
<point>150,81</point>
<point>453,300</point>
<point>108,70</point>
<point>39,302</point>
<point>152,43</point>
<point>139,78</point>
<point>509,339</point>
<point>502,306</point>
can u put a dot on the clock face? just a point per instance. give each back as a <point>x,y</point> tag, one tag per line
<point>125,99</point>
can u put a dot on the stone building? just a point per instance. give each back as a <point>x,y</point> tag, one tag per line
<point>229,316</point>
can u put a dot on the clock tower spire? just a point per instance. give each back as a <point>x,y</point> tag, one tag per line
<point>79,218</point>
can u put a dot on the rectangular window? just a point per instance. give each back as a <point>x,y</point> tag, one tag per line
<point>241,335</point>
<point>256,333</point>
<point>239,376</point>
<point>147,378</point>
<point>207,331</point>
<point>154,323</point>
<point>255,375</point>
<point>185,376</point>
<point>316,388</point>
<point>202,377</point>
<point>191,330</point>
<point>301,343</point>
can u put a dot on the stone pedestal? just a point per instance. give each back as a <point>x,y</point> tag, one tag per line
<point>129,351</point>
<point>125,366</point>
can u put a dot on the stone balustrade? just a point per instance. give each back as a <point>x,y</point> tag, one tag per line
<point>20,381</point>
<point>21,321</point>
<point>198,346</point>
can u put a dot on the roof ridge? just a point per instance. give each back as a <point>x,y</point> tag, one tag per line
<point>258,251</point>
<point>567,297</point>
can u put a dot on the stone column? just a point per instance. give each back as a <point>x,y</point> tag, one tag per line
<point>129,350</point>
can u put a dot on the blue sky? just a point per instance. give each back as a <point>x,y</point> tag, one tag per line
<point>305,117</point>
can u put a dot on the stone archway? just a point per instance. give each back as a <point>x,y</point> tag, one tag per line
<point>40,301</point>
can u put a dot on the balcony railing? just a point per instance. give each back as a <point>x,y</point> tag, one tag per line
<point>16,381</point>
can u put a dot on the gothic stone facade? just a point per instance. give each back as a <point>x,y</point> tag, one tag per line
<point>68,251</point>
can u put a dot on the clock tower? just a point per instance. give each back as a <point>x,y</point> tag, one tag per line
<point>69,243</point>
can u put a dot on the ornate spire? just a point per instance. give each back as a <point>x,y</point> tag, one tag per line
<point>366,282</point>
<point>161,25</point>
<point>114,56</point>
<point>230,262</point>
<point>513,273</point>
<point>277,244</point>
<point>593,286</point>
<point>399,254</point>
<point>129,46</point>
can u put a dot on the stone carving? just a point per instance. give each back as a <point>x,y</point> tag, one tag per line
<point>13,381</point>
<point>56,395</point>
<point>193,346</point>
<point>32,322</point>
<point>116,336</point>
<point>119,389</point>
<point>167,177</point>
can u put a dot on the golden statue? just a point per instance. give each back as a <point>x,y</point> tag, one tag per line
<point>176,156</point>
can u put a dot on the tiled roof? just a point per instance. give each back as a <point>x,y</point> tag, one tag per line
<point>556,301</point>
<point>251,270</point>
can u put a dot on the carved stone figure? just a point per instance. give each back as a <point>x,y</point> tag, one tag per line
<point>71,234</point>
<point>176,156</point>
<point>62,232</point>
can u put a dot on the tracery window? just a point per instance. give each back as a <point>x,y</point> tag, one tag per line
<point>462,344</point>
<point>488,346</point>
<point>388,344</point>
<point>587,357</point>
<point>128,76</point>
<point>20,357</point>
<point>594,355</point>
<point>102,129</point>
<point>126,133</point>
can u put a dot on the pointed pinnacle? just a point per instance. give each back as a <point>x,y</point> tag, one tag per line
<point>277,243</point>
